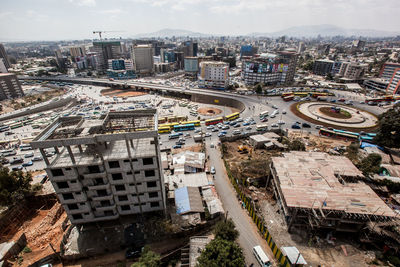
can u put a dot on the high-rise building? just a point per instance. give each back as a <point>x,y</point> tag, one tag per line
<point>143,61</point>
<point>248,51</point>
<point>301,48</point>
<point>270,69</point>
<point>388,70</point>
<point>107,50</point>
<point>179,56</point>
<point>77,51</point>
<point>61,60</point>
<point>10,86</point>
<point>352,70</point>
<point>394,84</point>
<point>107,168</point>
<point>189,49</point>
<point>323,66</point>
<point>4,56</point>
<point>214,74</point>
<point>191,67</point>
<point>167,56</point>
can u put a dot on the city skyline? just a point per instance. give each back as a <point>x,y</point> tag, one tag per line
<point>77,19</point>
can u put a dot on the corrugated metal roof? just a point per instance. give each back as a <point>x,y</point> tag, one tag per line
<point>188,199</point>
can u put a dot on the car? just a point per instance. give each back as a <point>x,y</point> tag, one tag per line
<point>226,122</point>
<point>232,123</point>
<point>342,100</point>
<point>17,168</point>
<point>215,130</point>
<point>283,111</point>
<point>237,125</point>
<point>318,126</point>
<point>16,161</point>
<point>236,132</point>
<point>224,132</point>
<point>210,127</point>
<point>253,122</point>
<point>246,123</point>
<point>176,146</point>
<point>28,155</point>
<point>306,125</point>
<point>207,134</point>
<point>296,126</point>
<point>274,106</point>
<point>281,122</point>
<point>197,130</point>
<point>225,127</point>
<point>239,120</point>
<point>272,116</point>
<point>4,161</point>
<point>38,158</point>
<point>248,128</point>
<point>221,134</point>
<point>212,170</point>
<point>212,145</point>
<point>362,102</point>
<point>264,119</point>
<point>132,253</point>
<point>9,133</point>
<point>333,101</point>
<point>274,125</point>
<point>26,164</point>
<point>187,134</point>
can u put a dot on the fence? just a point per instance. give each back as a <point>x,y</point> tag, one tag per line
<point>258,220</point>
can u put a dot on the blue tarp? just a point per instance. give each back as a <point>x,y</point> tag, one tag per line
<point>365,144</point>
<point>182,201</point>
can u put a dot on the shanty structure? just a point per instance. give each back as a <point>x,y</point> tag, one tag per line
<point>318,190</point>
<point>188,200</point>
<point>188,162</point>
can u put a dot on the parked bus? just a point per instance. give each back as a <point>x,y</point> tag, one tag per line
<point>164,129</point>
<point>170,125</point>
<point>214,121</point>
<point>232,116</point>
<point>196,123</point>
<point>16,125</point>
<point>174,136</point>
<point>264,114</point>
<point>286,94</point>
<point>262,127</point>
<point>337,134</point>
<point>261,257</point>
<point>4,128</point>
<point>176,119</point>
<point>7,153</point>
<point>288,98</point>
<point>184,127</point>
<point>162,120</point>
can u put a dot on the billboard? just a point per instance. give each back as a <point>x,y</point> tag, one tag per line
<point>255,67</point>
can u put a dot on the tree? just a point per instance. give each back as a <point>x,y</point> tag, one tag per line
<point>148,259</point>
<point>296,145</point>
<point>308,65</point>
<point>221,252</point>
<point>14,186</point>
<point>226,230</point>
<point>370,164</point>
<point>258,88</point>
<point>389,128</point>
<point>329,76</point>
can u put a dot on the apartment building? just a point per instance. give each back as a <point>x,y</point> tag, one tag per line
<point>387,70</point>
<point>107,50</point>
<point>10,86</point>
<point>394,84</point>
<point>323,67</point>
<point>214,74</point>
<point>105,168</point>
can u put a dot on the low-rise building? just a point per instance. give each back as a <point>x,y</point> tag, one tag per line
<point>323,67</point>
<point>376,84</point>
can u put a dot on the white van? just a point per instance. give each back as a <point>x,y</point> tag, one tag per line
<point>261,257</point>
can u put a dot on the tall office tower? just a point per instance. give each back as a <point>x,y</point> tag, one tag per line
<point>10,86</point>
<point>106,168</point>
<point>4,56</point>
<point>179,56</point>
<point>301,48</point>
<point>61,60</point>
<point>107,50</point>
<point>189,49</point>
<point>143,61</point>
<point>77,51</point>
<point>214,74</point>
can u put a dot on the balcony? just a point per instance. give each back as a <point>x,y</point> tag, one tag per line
<point>99,186</point>
<point>108,196</point>
<point>88,175</point>
<point>104,208</point>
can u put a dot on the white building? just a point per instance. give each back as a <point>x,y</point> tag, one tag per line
<point>142,56</point>
<point>213,74</point>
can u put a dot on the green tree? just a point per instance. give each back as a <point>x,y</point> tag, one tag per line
<point>258,88</point>
<point>308,65</point>
<point>389,128</point>
<point>14,186</point>
<point>226,230</point>
<point>221,252</point>
<point>370,164</point>
<point>148,259</point>
<point>296,145</point>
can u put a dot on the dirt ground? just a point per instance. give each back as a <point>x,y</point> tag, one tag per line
<point>42,230</point>
<point>209,111</point>
<point>121,93</point>
<point>316,142</point>
<point>194,148</point>
<point>341,115</point>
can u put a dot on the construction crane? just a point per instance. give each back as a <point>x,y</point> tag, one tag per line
<point>100,32</point>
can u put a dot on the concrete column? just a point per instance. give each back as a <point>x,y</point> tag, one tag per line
<point>46,160</point>
<point>80,148</point>
<point>56,149</point>
<point>71,155</point>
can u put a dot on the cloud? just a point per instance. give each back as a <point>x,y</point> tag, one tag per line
<point>83,2</point>
<point>5,14</point>
<point>37,16</point>
<point>115,11</point>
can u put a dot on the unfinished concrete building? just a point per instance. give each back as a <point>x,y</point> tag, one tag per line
<point>105,168</point>
<point>321,191</point>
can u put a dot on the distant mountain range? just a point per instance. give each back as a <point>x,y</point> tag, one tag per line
<point>325,30</point>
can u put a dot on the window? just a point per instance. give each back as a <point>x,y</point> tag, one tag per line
<point>77,216</point>
<point>122,198</point>
<point>67,169</point>
<point>125,207</point>
<point>82,204</point>
<point>120,187</point>
<point>137,172</point>
<point>126,160</point>
<point>147,161</point>
<point>108,213</point>
<point>105,203</point>
<point>128,173</point>
<point>136,205</point>
<point>98,181</point>
<point>68,196</point>
<point>113,164</point>
<point>57,172</point>
<point>73,206</point>
<point>149,173</point>
<point>151,184</point>
<point>153,194</point>
<point>73,181</point>
<point>134,160</point>
<point>154,204</point>
<point>62,185</point>
<point>102,192</point>
<point>116,176</point>
<point>94,169</point>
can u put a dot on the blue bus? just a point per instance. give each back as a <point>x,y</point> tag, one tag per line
<point>174,136</point>
<point>184,127</point>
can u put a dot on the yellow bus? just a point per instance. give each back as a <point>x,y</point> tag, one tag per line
<point>196,123</point>
<point>170,125</point>
<point>166,129</point>
<point>232,116</point>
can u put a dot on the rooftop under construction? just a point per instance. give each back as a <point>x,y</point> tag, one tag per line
<point>323,191</point>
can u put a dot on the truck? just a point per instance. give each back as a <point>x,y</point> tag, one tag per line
<point>198,138</point>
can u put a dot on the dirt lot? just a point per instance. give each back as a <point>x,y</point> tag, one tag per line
<point>317,143</point>
<point>40,231</point>
<point>121,93</point>
<point>209,111</point>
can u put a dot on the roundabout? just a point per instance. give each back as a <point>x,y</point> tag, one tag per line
<point>337,115</point>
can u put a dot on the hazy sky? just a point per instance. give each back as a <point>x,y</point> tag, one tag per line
<point>76,19</point>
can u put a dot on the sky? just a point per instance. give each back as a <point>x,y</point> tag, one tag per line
<point>25,20</point>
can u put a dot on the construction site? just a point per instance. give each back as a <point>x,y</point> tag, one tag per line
<point>314,201</point>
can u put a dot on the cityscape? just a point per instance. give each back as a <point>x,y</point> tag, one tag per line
<point>188,133</point>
